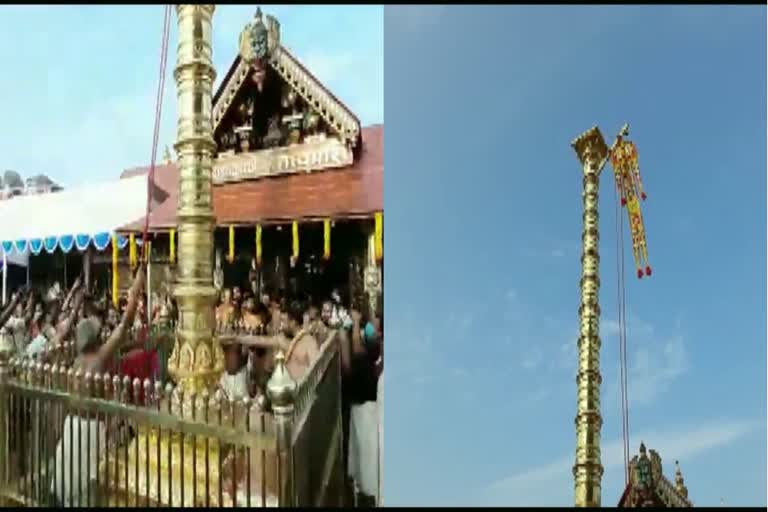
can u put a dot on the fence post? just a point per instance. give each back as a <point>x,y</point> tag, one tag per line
<point>281,390</point>
<point>5,355</point>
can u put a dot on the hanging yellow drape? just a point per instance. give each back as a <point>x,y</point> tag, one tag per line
<point>147,251</point>
<point>132,257</point>
<point>379,234</point>
<point>172,255</point>
<point>231,254</point>
<point>327,239</point>
<point>258,244</point>
<point>295,229</point>
<point>115,278</point>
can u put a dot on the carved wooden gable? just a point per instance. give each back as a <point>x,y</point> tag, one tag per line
<point>271,116</point>
<point>648,487</point>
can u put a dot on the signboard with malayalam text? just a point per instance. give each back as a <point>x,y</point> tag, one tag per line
<point>327,153</point>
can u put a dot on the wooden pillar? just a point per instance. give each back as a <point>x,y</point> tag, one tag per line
<point>87,262</point>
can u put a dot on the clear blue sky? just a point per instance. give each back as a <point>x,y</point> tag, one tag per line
<point>483,224</point>
<point>483,216</point>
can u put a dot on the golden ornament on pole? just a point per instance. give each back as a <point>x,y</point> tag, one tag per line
<point>626,170</point>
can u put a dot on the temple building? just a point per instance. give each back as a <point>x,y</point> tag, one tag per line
<point>297,183</point>
<point>648,487</point>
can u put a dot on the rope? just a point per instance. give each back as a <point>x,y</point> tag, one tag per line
<point>622,313</point>
<point>158,115</point>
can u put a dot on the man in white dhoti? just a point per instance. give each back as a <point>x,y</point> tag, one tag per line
<point>234,382</point>
<point>359,392</point>
<point>380,401</point>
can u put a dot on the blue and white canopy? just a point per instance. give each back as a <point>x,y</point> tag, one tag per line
<point>73,218</point>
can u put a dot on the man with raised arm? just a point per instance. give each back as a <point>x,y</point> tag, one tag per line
<point>92,357</point>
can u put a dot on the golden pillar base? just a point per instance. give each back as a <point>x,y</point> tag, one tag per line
<point>165,470</point>
<point>196,369</point>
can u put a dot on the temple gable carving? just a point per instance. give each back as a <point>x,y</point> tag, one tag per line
<point>271,116</point>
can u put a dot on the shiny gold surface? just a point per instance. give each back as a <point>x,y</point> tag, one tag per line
<point>151,483</point>
<point>592,152</point>
<point>197,360</point>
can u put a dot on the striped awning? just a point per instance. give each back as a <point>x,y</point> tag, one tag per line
<point>71,219</point>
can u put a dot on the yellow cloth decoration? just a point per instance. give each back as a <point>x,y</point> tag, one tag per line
<point>132,257</point>
<point>258,244</point>
<point>172,255</point>
<point>327,239</point>
<point>231,255</point>
<point>115,278</point>
<point>147,251</point>
<point>295,241</point>
<point>379,235</point>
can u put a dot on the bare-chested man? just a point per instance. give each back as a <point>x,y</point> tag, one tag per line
<point>225,311</point>
<point>251,319</point>
<point>315,325</point>
<point>301,348</point>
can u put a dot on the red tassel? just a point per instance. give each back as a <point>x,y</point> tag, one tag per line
<point>623,201</point>
<point>639,273</point>
<point>648,270</point>
<point>643,196</point>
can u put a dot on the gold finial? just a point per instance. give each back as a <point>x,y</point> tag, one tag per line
<point>590,145</point>
<point>281,387</point>
<point>679,481</point>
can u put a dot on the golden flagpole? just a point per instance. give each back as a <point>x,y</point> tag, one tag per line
<point>593,153</point>
<point>196,361</point>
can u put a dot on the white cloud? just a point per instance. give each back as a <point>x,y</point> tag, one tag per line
<point>532,359</point>
<point>459,372</point>
<point>655,361</point>
<point>653,370</point>
<point>550,484</point>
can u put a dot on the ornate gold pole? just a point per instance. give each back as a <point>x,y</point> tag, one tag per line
<point>588,471</point>
<point>196,361</point>
<point>154,462</point>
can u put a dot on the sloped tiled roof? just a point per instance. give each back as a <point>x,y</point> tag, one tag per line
<point>353,191</point>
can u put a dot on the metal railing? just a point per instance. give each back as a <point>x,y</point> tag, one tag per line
<point>69,438</point>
